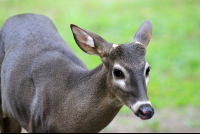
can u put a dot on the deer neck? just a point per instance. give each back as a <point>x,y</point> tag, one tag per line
<point>97,102</point>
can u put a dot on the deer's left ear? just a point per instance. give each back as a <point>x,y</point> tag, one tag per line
<point>143,34</point>
<point>92,43</point>
<point>84,40</point>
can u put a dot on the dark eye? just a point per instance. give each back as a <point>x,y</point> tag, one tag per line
<point>118,73</point>
<point>147,71</point>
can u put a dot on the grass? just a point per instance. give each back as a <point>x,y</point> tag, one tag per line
<point>154,126</point>
<point>174,50</point>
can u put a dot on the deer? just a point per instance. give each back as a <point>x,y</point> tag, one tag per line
<point>46,88</point>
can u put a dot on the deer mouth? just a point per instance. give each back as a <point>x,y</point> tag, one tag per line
<point>143,117</point>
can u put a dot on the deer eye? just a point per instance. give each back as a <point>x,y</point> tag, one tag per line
<point>147,71</point>
<point>118,73</point>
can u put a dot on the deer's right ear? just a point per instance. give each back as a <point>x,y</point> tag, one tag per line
<point>143,34</point>
<point>84,40</point>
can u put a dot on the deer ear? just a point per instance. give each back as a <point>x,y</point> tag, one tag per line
<point>84,40</point>
<point>143,34</point>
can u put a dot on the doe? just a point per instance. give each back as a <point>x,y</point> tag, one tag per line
<point>45,87</point>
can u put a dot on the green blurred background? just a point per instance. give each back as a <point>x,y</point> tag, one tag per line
<point>173,52</point>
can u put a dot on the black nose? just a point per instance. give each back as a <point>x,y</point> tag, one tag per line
<point>145,112</point>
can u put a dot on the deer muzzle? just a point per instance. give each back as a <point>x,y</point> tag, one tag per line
<point>145,112</point>
<point>143,109</point>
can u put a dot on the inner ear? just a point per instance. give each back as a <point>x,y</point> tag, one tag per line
<point>84,40</point>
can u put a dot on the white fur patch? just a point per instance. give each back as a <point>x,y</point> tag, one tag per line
<point>99,51</point>
<point>146,78</point>
<point>120,83</point>
<point>115,45</point>
<point>90,41</point>
<point>138,104</point>
<point>138,42</point>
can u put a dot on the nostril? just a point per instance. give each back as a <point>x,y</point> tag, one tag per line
<point>142,112</point>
